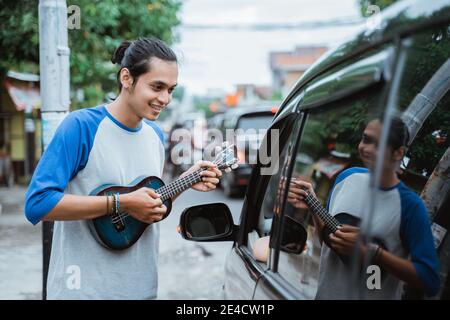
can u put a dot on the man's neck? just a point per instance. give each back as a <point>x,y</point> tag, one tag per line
<point>388,179</point>
<point>123,113</point>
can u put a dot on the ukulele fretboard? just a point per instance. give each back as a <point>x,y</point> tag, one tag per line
<point>330,221</point>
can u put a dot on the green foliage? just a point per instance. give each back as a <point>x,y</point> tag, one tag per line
<point>276,96</point>
<point>203,106</point>
<point>103,26</point>
<point>429,51</point>
<point>19,35</point>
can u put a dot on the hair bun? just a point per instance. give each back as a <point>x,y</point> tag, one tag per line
<point>120,52</point>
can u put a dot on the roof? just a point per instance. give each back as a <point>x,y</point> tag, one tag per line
<point>264,106</point>
<point>23,88</point>
<point>23,76</point>
<point>300,59</point>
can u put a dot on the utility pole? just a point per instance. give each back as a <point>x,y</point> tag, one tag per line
<point>55,90</point>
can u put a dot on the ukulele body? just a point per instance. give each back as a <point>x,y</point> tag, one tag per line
<point>124,233</point>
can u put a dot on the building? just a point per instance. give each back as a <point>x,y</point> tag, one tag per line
<point>20,146</point>
<point>287,66</point>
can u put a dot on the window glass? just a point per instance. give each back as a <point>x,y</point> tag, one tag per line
<point>427,54</point>
<point>328,146</point>
<point>261,121</point>
<point>424,106</point>
<point>259,236</point>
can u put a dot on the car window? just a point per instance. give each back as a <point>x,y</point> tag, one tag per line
<point>428,147</point>
<point>424,106</point>
<point>330,158</point>
<point>257,122</point>
<point>328,146</point>
<point>259,235</point>
<point>431,141</point>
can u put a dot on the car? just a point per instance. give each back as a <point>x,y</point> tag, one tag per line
<point>245,127</point>
<point>400,67</point>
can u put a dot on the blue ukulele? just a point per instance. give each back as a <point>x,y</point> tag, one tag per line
<point>121,231</point>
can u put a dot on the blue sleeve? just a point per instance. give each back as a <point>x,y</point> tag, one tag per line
<point>66,154</point>
<point>341,177</point>
<point>157,129</point>
<point>416,234</point>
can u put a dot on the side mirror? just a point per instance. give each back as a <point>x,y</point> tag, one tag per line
<point>207,222</point>
<point>294,237</point>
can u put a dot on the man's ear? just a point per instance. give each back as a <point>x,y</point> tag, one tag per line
<point>125,78</point>
<point>399,153</point>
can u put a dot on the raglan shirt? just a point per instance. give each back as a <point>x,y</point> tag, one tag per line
<point>90,149</point>
<point>399,218</point>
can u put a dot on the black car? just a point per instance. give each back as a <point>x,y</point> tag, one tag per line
<point>245,127</point>
<point>400,67</point>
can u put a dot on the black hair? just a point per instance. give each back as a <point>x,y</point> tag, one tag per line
<point>398,133</point>
<point>136,55</point>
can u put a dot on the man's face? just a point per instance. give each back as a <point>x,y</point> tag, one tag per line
<point>153,90</point>
<point>368,147</point>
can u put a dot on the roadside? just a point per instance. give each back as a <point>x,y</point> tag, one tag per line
<point>20,249</point>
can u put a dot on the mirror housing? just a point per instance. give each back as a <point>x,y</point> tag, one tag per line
<point>207,222</point>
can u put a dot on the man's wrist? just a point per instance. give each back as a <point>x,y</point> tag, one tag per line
<point>372,252</point>
<point>124,202</point>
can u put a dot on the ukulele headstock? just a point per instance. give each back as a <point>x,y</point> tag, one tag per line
<point>226,159</point>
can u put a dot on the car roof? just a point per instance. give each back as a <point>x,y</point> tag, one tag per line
<point>399,20</point>
<point>247,109</point>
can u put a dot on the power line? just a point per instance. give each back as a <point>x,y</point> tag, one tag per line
<point>351,21</point>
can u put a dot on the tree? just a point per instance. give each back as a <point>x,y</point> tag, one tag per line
<point>103,26</point>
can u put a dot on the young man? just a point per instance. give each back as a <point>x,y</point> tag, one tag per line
<point>109,144</point>
<point>400,220</point>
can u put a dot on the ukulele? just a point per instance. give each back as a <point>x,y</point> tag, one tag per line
<point>120,231</point>
<point>332,223</point>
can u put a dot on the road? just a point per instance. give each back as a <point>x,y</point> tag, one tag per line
<point>187,270</point>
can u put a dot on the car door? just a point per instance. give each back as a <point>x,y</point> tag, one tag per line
<point>423,101</point>
<point>243,268</point>
<point>333,110</point>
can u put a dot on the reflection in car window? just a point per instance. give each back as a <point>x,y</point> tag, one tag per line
<point>431,141</point>
<point>260,237</point>
<point>420,96</point>
<point>328,146</point>
<point>428,147</point>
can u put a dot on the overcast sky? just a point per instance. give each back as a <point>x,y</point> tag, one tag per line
<point>219,59</point>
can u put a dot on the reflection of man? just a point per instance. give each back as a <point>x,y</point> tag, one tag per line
<point>399,218</point>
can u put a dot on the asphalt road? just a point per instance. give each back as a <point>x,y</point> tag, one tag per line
<point>187,270</point>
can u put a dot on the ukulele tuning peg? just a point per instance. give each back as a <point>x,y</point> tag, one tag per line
<point>234,166</point>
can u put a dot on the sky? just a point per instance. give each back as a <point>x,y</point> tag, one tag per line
<point>218,59</point>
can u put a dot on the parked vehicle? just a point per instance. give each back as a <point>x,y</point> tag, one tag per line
<point>245,127</point>
<point>401,66</point>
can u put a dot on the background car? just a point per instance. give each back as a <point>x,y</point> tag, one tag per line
<point>245,127</point>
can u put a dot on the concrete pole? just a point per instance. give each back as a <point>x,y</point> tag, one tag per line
<point>55,89</point>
